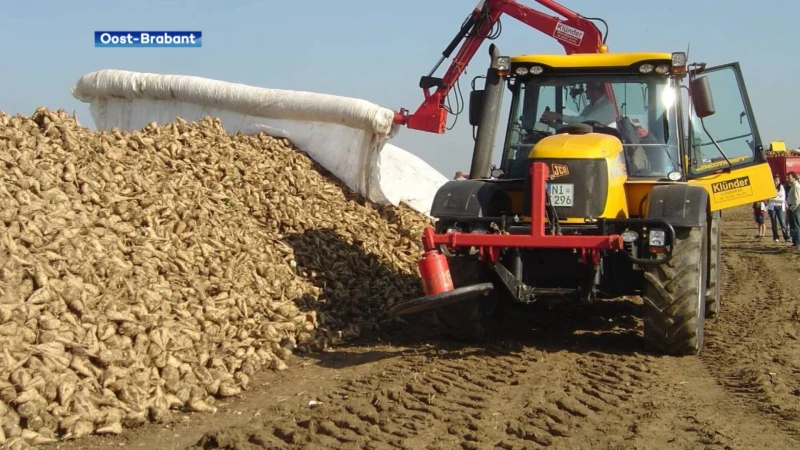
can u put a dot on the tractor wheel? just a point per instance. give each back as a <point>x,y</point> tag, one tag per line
<point>470,320</point>
<point>714,290</point>
<point>674,296</point>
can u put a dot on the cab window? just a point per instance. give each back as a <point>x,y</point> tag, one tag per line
<point>730,126</point>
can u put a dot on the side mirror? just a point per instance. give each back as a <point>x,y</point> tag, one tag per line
<point>475,106</point>
<point>702,100</point>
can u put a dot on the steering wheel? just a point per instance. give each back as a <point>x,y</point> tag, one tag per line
<point>595,123</point>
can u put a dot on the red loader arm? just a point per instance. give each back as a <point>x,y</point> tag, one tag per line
<point>576,34</point>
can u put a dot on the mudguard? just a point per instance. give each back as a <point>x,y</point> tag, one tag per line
<point>469,198</point>
<point>681,205</point>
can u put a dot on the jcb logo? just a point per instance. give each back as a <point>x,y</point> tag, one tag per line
<point>558,170</point>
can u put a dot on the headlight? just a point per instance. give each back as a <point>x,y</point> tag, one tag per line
<point>646,68</point>
<point>536,70</point>
<point>675,176</point>
<point>657,238</point>
<point>629,236</point>
<point>663,70</point>
<point>521,71</point>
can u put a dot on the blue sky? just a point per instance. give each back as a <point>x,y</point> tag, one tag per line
<point>377,50</point>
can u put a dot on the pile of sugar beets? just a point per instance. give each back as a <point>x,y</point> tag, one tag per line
<point>147,272</point>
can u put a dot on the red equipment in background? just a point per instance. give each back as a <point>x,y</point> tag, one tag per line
<point>577,34</point>
<point>783,163</point>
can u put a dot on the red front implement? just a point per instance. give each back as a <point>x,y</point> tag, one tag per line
<point>489,245</point>
<point>575,33</point>
<point>434,269</point>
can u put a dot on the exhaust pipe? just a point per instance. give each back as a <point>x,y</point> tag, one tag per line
<point>489,120</point>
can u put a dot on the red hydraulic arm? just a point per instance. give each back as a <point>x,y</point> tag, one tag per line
<point>576,34</point>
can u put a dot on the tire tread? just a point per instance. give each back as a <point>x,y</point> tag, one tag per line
<point>671,323</point>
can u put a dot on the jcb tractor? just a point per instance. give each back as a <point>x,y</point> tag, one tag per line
<point>611,182</point>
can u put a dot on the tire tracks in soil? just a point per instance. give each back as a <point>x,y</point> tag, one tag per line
<point>493,400</point>
<point>552,388</point>
<point>754,349</point>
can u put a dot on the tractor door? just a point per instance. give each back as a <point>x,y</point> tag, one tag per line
<point>724,153</point>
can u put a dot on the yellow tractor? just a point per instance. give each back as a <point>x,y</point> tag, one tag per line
<point>615,169</point>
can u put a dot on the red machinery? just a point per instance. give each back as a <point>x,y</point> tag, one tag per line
<point>434,269</point>
<point>576,34</point>
<point>782,163</point>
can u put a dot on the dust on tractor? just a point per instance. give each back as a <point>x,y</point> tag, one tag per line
<point>611,183</point>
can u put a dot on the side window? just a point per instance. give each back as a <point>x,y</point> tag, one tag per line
<point>731,126</point>
<point>534,105</point>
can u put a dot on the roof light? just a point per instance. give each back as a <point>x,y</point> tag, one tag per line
<point>646,68</point>
<point>521,71</point>
<point>536,70</point>
<point>663,69</point>
<point>503,63</point>
<point>679,62</point>
<point>679,59</point>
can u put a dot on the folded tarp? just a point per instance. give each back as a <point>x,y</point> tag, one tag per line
<point>347,136</point>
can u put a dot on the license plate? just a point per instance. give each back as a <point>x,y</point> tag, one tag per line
<point>561,195</point>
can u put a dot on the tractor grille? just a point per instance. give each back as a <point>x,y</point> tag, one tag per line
<point>590,180</point>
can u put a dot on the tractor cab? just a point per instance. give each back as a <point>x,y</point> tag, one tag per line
<point>565,107</point>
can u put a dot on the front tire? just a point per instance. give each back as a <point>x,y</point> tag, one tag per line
<point>470,320</point>
<point>674,296</point>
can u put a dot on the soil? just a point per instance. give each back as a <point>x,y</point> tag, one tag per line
<point>557,376</point>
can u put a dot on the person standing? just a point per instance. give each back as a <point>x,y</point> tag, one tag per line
<point>793,204</point>
<point>777,211</point>
<point>759,212</point>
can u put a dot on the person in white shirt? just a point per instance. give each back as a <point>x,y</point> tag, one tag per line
<point>599,108</point>
<point>793,205</point>
<point>777,211</point>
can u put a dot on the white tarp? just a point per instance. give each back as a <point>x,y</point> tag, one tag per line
<point>346,136</point>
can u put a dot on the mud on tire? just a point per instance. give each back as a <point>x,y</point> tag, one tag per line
<point>467,321</point>
<point>674,296</point>
<point>714,285</point>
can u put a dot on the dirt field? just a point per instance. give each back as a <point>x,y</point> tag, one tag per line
<point>564,377</point>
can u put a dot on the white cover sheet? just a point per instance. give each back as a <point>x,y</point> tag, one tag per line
<point>346,136</point>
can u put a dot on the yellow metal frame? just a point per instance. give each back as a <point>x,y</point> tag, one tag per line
<point>777,146</point>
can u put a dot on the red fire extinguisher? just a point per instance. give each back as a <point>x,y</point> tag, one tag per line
<point>435,273</point>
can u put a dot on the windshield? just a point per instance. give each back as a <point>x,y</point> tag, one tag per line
<point>640,110</point>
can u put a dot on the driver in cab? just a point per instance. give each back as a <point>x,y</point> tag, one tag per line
<point>599,109</point>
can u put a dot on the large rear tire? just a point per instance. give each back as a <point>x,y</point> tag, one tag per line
<point>674,296</point>
<point>469,320</point>
<point>714,291</point>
